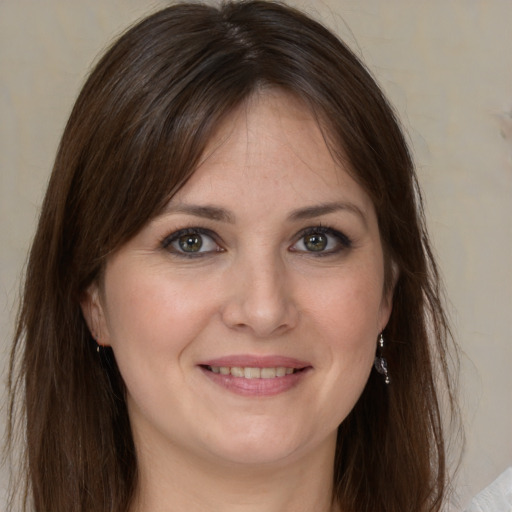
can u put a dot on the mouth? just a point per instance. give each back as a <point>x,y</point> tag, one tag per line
<point>256,376</point>
<point>250,372</point>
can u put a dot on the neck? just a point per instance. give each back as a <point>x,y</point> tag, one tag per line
<point>177,481</point>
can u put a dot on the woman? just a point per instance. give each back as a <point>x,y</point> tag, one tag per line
<point>232,238</point>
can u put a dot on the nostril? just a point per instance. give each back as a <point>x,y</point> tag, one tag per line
<point>260,300</point>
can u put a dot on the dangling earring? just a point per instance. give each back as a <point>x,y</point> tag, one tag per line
<point>380,363</point>
<point>99,346</point>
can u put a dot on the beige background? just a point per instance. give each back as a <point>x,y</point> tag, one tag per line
<point>447,66</point>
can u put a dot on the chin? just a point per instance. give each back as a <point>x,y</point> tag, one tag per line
<point>266,444</point>
<point>254,454</point>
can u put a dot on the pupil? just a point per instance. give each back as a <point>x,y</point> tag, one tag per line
<point>316,242</point>
<point>190,243</point>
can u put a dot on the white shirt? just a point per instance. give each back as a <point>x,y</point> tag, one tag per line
<point>495,498</point>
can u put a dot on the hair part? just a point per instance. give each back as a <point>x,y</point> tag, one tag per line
<point>138,130</point>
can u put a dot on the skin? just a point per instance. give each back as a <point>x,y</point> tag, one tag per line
<point>256,288</point>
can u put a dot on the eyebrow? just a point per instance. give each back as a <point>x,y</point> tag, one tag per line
<point>310,212</point>
<point>205,212</point>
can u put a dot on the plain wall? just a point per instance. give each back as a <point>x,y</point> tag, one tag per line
<point>447,67</point>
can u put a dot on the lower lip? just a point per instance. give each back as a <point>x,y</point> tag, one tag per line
<point>257,387</point>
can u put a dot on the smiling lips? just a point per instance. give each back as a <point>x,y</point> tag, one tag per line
<point>249,372</point>
<point>256,376</point>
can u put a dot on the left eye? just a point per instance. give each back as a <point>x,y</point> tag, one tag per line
<point>190,242</point>
<point>321,240</point>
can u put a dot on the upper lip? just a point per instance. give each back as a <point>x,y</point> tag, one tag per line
<point>252,361</point>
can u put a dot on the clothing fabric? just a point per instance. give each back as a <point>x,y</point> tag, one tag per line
<point>495,498</point>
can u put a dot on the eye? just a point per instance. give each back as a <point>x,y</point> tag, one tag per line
<point>321,240</point>
<point>191,242</point>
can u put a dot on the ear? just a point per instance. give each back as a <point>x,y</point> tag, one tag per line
<point>387,298</point>
<point>94,314</point>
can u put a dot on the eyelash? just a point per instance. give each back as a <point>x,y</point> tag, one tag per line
<point>343,242</point>
<point>167,242</point>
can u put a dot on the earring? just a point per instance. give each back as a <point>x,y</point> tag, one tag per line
<point>99,346</point>
<point>380,363</point>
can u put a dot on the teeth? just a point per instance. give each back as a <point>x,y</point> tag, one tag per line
<point>252,373</point>
<point>268,373</point>
<point>236,371</point>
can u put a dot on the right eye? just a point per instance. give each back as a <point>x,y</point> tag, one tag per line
<point>191,242</point>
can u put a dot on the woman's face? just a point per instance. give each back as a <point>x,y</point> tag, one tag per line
<point>244,318</point>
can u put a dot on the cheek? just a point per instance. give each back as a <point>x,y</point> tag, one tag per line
<point>152,321</point>
<point>352,353</point>
<point>347,318</point>
<point>349,305</point>
<point>149,313</point>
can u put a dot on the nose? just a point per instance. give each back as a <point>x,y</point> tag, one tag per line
<point>260,299</point>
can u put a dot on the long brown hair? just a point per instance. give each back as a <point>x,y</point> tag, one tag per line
<point>135,135</point>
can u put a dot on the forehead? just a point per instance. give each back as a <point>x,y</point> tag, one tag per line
<point>272,150</point>
<point>270,125</point>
